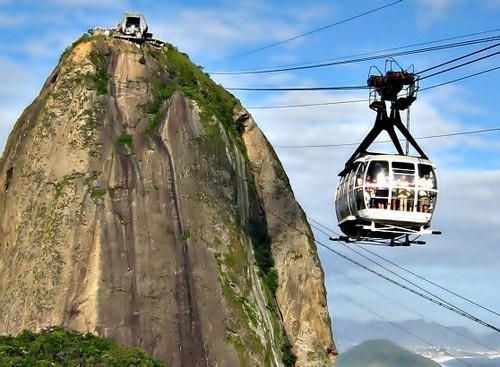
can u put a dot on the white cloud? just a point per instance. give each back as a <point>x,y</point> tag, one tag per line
<point>215,35</point>
<point>492,3</point>
<point>13,80</point>
<point>432,10</point>
<point>17,88</point>
<point>90,3</point>
<point>13,20</point>
<point>48,45</point>
<point>218,31</point>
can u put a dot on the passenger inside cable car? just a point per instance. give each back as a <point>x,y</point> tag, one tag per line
<point>389,185</point>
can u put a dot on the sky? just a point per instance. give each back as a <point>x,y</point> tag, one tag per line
<point>222,36</point>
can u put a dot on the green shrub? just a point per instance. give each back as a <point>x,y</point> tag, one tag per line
<point>57,346</point>
<point>124,140</point>
<point>288,357</point>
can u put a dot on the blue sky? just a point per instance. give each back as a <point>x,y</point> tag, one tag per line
<point>465,258</point>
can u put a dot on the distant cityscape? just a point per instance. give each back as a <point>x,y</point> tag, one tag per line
<point>448,346</point>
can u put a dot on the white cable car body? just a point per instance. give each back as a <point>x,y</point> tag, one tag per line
<point>381,196</point>
<point>386,196</point>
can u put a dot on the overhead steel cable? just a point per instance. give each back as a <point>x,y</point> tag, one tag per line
<point>406,280</point>
<point>311,31</point>
<point>431,282</point>
<point>359,87</point>
<point>366,100</point>
<point>300,89</point>
<point>372,53</point>
<point>424,317</point>
<point>459,79</point>
<point>458,58</point>
<point>460,65</point>
<point>357,60</point>
<point>321,228</point>
<point>457,133</point>
<point>429,344</point>
<point>403,286</point>
<point>307,104</point>
<point>420,288</point>
<point>395,282</point>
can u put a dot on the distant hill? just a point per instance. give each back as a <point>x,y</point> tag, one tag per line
<point>350,333</point>
<point>381,353</point>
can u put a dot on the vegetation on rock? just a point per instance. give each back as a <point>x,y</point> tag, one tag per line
<point>189,79</point>
<point>57,346</point>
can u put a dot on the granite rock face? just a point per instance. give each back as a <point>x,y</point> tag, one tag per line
<point>139,201</point>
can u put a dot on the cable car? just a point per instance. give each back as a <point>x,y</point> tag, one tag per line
<point>386,195</point>
<point>380,196</point>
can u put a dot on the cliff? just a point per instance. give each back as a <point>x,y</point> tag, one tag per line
<point>139,201</point>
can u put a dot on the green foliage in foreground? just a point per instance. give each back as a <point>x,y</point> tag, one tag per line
<point>57,346</point>
<point>381,353</point>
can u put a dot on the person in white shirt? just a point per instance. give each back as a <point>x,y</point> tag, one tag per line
<point>425,184</point>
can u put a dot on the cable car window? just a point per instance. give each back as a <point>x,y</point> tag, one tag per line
<point>403,171</point>
<point>342,198</point>
<point>352,177</point>
<point>360,175</point>
<point>341,188</point>
<point>427,188</point>
<point>358,190</point>
<point>378,175</point>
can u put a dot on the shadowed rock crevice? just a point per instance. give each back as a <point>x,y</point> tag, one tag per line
<point>140,203</point>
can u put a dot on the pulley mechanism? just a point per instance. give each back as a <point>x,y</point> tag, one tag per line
<point>399,88</point>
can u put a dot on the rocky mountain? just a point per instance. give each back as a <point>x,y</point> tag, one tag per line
<point>139,201</point>
<point>382,353</point>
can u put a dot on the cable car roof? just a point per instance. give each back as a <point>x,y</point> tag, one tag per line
<point>391,158</point>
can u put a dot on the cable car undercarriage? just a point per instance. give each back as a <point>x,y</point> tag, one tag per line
<point>387,199</point>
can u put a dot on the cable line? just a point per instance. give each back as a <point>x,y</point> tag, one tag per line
<point>356,60</point>
<point>430,294</point>
<point>372,53</point>
<point>460,65</point>
<point>458,58</point>
<point>430,282</point>
<point>306,104</point>
<point>359,87</point>
<point>429,344</point>
<point>437,302</point>
<point>459,79</point>
<point>312,31</point>
<point>299,89</point>
<point>399,284</point>
<point>457,133</point>
<point>405,279</point>
<point>318,226</point>
<point>366,100</point>
<point>424,317</point>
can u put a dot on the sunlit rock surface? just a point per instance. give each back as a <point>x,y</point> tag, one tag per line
<point>139,201</point>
